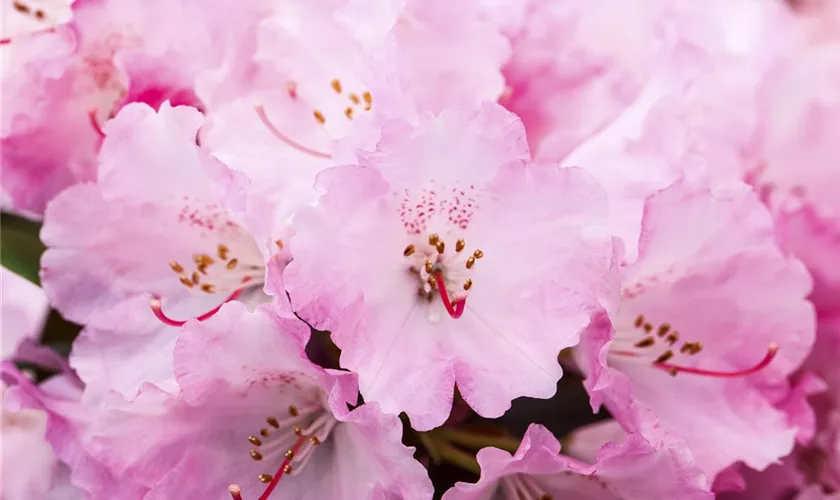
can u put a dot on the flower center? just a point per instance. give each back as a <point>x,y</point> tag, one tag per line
<point>662,347</point>
<point>437,266</point>
<point>290,441</point>
<point>523,487</point>
<point>350,104</point>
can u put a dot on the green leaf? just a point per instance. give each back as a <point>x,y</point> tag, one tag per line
<point>20,246</point>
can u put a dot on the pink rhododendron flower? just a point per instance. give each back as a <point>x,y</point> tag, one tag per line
<point>255,412</point>
<point>22,312</point>
<point>638,468</point>
<point>446,258</point>
<point>692,324</point>
<point>28,467</point>
<point>157,226</point>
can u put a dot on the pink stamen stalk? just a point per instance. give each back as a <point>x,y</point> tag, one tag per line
<point>94,122</point>
<point>51,29</point>
<point>288,461</point>
<point>289,142</point>
<point>771,353</point>
<point>157,308</point>
<point>456,309</point>
<point>235,491</point>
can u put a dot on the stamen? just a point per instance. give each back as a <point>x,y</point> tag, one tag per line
<point>355,99</point>
<point>478,254</point>
<point>319,116</point>
<point>336,85</point>
<point>231,264</point>
<point>186,282</point>
<point>639,321</point>
<point>459,245</point>
<point>254,440</point>
<point>468,284</point>
<point>223,251</point>
<point>178,268</point>
<point>440,247</point>
<point>289,142</point>
<point>455,310</point>
<point>646,342</point>
<point>470,262</point>
<point>772,349</point>
<point>235,491</point>
<point>157,309</point>
<point>256,455</point>
<point>348,112</point>
<point>51,29</point>
<point>284,468</point>
<point>94,122</point>
<point>409,250</point>
<point>433,239</point>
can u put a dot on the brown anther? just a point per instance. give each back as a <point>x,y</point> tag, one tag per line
<point>202,267</point>
<point>279,244</point>
<point>296,429</point>
<point>178,268</point>
<point>293,411</point>
<point>223,251</point>
<point>645,342</point>
<point>336,85</point>
<point>691,348</point>
<point>208,288</point>
<point>440,246</point>
<point>354,98</point>
<point>20,7</point>
<point>265,478</point>
<point>546,496</point>
<point>672,372</point>
<point>319,116</point>
<point>648,327</point>
<point>478,254</point>
<point>232,263</point>
<point>431,281</point>
<point>39,15</point>
<point>186,282</point>
<point>664,328</point>
<point>265,433</point>
<point>665,356</point>
<point>672,338</point>
<point>272,421</point>
<point>467,284</point>
<point>639,321</point>
<point>287,469</point>
<point>290,454</point>
<point>470,262</point>
<point>408,250</point>
<point>202,259</point>
<point>433,239</point>
<point>348,112</point>
<point>256,455</point>
<point>368,98</point>
<point>196,277</point>
<point>254,440</point>
<point>459,245</point>
<point>428,267</point>
<point>314,440</point>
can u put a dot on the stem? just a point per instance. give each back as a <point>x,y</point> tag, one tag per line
<point>475,441</point>
<point>454,456</point>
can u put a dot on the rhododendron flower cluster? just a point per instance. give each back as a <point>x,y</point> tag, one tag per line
<point>417,249</point>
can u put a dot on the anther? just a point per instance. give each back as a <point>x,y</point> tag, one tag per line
<point>478,254</point>
<point>290,454</point>
<point>208,288</point>
<point>297,430</point>
<point>348,112</point>
<point>265,433</point>
<point>428,267</point>
<point>354,98</point>
<point>39,15</point>
<point>433,239</point>
<point>639,321</point>
<point>256,455</point>
<point>408,250</point>
<point>254,440</point>
<point>645,342</point>
<point>22,8</point>
<point>232,263</point>
<point>223,251</point>
<point>467,284</point>
<point>265,478</point>
<point>470,262</point>
<point>431,281</point>
<point>368,99</point>
<point>293,411</point>
<point>272,421</point>
<point>664,329</point>
<point>440,246</point>
<point>336,85</point>
<point>178,268</point>
<point>287,469</point>
<point>665,356</point>
<point>319,116</point>
<point>202,267</point>
<point>196,278</point>
<point>279,244</point>
<point>672,338</point>
<point>314,440</point>
<point>186,282</point>
<point>459,245</point>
